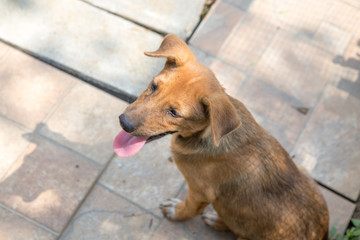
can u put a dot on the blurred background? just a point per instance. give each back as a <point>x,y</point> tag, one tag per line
<point>69,68</point>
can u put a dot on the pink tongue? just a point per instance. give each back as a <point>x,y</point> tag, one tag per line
<point>126,145</point>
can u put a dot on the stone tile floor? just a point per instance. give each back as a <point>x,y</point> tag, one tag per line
<point>295,64</point>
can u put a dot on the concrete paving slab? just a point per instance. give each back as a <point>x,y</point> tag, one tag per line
<point>328,147</point>
<point>230,78</point>
<point>104,215</point>
<point>47,183</point>
<point>354,3</point>
<point>10,133</point>
<point>347,76</point>
<point>17,228</point>
<point>86,121</point>
<point>273,104</point>
<point>293,66</point>
<point>241,4</point>
<point>216,27</point>
<point>147,178</point>
<point>331,38</point>
<point>352,55</point>
<point>178,17</point>
<point>247,43</point>
<point>191,229</point>
<point>349,81</point>
<point>340,210</point>
<point>344,16</point>
<point>29,88</point>
<point>300,17</point>
<point>84,40</point>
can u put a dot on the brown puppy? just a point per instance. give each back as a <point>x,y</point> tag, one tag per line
<point>226,158</point>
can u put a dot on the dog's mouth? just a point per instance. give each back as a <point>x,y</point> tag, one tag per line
<point>157,136</point>
<point>126,145</point>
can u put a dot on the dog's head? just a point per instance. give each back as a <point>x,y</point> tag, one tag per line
<point>185,98</point>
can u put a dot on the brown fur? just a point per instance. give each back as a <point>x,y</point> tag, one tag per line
<point>226,158</point>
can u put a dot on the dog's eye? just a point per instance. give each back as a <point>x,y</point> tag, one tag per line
<point>173,113</point>
<point>153,87</point>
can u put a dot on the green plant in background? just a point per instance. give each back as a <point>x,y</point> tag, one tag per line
<point>351,234</point>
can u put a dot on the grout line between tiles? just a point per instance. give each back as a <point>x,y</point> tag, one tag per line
<point>309,115</point>
<point>17,124</point>
<point>22,152</point>
<point>233,32</point>
<point>182,187</point>
<point>301,133</point>
<point>335,191</point>
<point>120,94</point>
<point>127,199</point>
<point>220,60</point>
<point>68,148</point>
<point>202,21</point>
<point>264,51</point>
<point>163,218</point>
<point>57,104</point>
<point>85,197</point>
<point>125,18</point>
<point>28,219</point>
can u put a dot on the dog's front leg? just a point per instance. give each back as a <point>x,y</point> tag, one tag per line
<point>176,210</point>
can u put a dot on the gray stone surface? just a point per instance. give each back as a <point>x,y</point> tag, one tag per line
<point>14,227</point>
<point>340,210</point>
<point>168,16</point>
<point>218,25</point>
<point>29,89</point>
<point>47,183</point>
<point>331,38</point>
<point>295,67</point>
<point>329,145</point>
<point>230,78</point>
<point>354,3</point>
<point>244,47</point>
<point>104,215</point>
<point>299,17</point>
<point>10,152</point>
<point>147,178</point>
<point>242,4</point>
<point>84,39</point>
<point>281,108</point>
<point>86,121</point>
<point>345,16</point>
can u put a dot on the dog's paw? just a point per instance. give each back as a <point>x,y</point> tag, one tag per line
<point>213,220</point>
<point>210,218</point>
<point>168,208</point>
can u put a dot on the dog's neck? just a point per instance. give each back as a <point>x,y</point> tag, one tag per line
<point>201,143</point>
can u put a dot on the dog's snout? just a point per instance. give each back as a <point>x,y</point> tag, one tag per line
<point>126,124</point>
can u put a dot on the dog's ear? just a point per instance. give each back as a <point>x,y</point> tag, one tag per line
<point>223,116</point>
<point>175,50</point>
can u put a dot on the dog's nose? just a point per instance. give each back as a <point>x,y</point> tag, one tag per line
<point>126,124</point>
